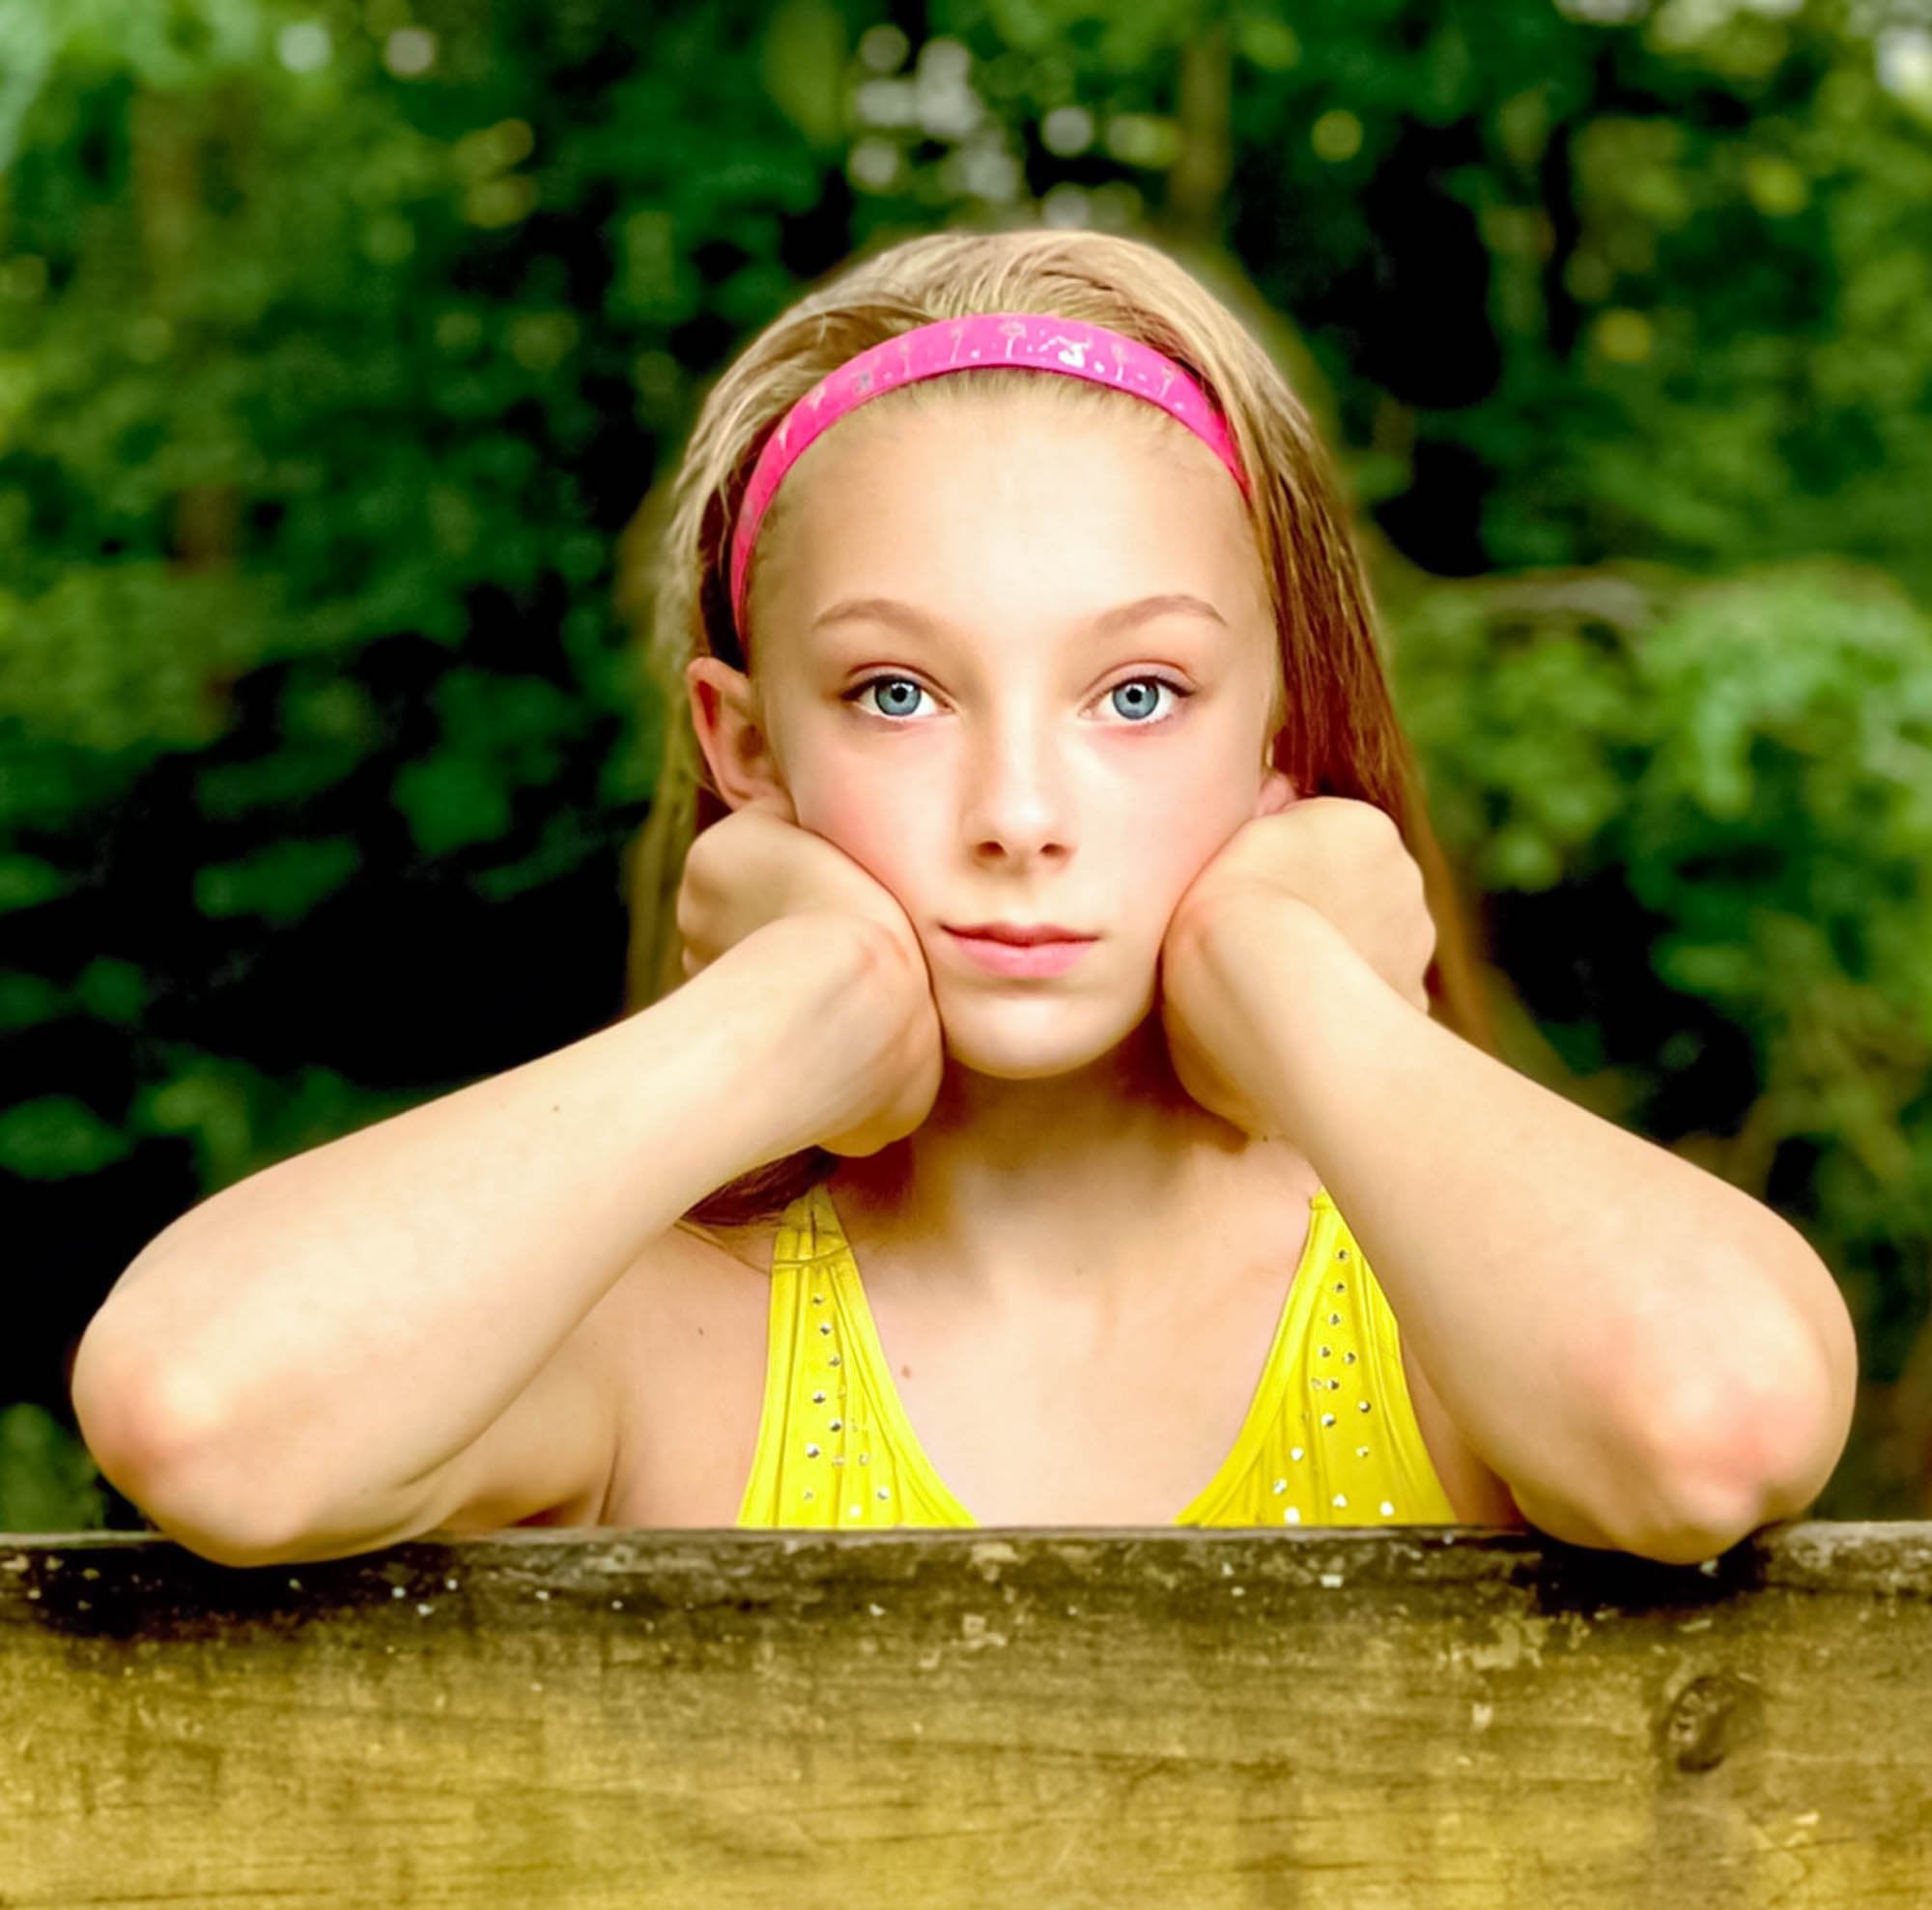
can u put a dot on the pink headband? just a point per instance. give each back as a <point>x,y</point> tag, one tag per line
<point>1034,341</point>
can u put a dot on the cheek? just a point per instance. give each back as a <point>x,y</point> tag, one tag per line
<point>1165,825</point>
<point>879,830</point>
<point>1161,862</point>
<point>1177,810</point>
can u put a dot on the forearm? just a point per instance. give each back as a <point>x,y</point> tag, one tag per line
<point>1638,1348</point>
<point>355,1316</point>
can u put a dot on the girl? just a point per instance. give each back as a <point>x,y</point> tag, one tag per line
<point>1054,1099</point>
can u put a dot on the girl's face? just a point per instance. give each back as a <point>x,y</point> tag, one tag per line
<point>960,681</point>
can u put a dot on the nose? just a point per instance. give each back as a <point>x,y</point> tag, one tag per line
<point>1018,788</point>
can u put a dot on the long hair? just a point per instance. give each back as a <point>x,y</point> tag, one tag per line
<point>1344,739</point>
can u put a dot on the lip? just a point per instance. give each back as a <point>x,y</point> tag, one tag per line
<point>1022,933</point>
<point>1022,958</point>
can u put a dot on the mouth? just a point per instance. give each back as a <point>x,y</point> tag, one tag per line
<point>1000,955</point>
<point>1020,934</point>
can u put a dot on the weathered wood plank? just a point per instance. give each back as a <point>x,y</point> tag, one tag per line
<point>1425,1718</point>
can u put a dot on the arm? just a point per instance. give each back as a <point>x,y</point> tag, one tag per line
<point>1652,1360</point>
<point>302,1348</point>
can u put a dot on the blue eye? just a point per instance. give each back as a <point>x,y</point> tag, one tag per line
<point>901,683</point>
<point>1143,685</point>
<point>1146,686</point>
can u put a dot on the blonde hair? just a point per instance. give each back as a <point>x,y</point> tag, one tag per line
<point>1344,739</point>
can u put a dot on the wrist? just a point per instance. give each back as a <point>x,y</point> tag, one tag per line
<point>1287,977</point>
<point>777,1007</point>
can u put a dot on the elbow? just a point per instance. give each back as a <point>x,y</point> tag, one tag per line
<point>1684,1496</point>
<point>1700,1530</point>
<point>1668,1533</point>
<point>1759,1461</point>
<point>210,1531</point>
<point>192,1501</point>
<point>1664,1535</point>
<point>1760,1443</point>
<point>159,1440</point>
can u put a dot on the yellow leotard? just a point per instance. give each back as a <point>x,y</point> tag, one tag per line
<point>1330,1436</point>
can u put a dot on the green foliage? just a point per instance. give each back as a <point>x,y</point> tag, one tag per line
<point>339,340</point>
<point>237,1118</point>
<point>48,1483</point>
<point>56,1137</point>
<point>1708,805</point>
<point>1759,324</point>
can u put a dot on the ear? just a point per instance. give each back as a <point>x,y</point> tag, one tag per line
<point>1277,793</point>
<point>726,714</point>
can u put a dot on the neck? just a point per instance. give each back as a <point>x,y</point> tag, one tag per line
<point>1105,1190</point>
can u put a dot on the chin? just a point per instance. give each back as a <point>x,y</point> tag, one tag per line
<point>1043,1041</point>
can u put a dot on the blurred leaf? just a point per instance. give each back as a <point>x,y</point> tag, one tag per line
<point>112,990</point>
<point>26,880</point>
<point>805,56</point>
<point>56,1137</point>
<point>280,883</point>
<point>27,1000</point>
<point>451,799</point>
<point>48,1481</point>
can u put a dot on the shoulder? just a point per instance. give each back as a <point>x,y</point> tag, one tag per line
<point>684,1362</point>
<point>690,1297</point>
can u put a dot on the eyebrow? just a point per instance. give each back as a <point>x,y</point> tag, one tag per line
<point>1121,616</point>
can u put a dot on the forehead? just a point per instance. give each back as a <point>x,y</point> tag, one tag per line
<point>968,500</point>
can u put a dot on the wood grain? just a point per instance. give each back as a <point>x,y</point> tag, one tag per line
<point>1439,1716</point>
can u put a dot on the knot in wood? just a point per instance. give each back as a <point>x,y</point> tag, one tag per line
<point>1713,1716</point>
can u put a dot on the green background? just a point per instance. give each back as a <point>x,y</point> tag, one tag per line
<point>339,343</point>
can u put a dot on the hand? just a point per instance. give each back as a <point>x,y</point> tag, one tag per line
<point>760,866</point>
<point>1342,858</point>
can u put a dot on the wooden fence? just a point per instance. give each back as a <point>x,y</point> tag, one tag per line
<point>1382,1720</point>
